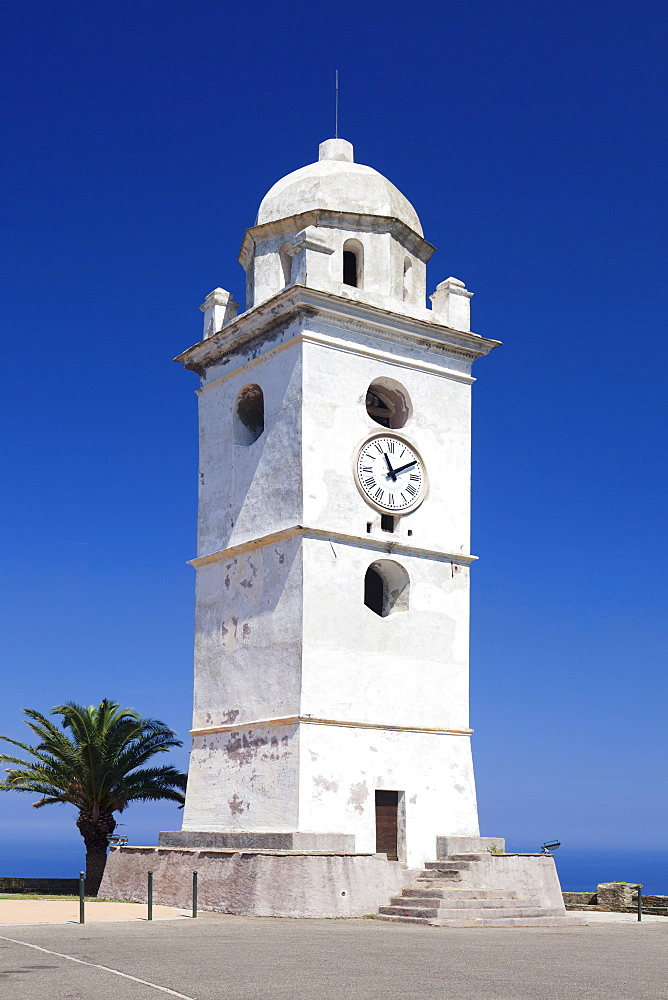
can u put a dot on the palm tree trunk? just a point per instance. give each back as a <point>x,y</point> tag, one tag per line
<point>94,832</point>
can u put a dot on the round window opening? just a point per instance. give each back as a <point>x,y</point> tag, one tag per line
<point>388,403</point>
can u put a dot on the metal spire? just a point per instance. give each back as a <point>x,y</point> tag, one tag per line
<point>336,114</point>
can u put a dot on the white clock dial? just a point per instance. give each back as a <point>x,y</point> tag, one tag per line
<point>390,474</point>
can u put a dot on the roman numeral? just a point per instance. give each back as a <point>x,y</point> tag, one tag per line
<point>391,500</point>
<point>411,489</point>
<point>402,453</point>
<point>414,478</point>
<point>390,447</point>
<point>379,447</point>
<point>367,468</point>
<point>378,494</point>
<point>369,482</point>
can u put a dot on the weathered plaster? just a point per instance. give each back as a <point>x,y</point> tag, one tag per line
<point>256,883</point>
<point>434,773</point>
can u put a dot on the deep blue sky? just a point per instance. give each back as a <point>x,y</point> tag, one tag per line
<point>139,139</point>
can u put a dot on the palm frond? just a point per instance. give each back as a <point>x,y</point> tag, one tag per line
<point>95,759</point>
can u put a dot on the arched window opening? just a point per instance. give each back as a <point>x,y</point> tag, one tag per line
<point>408,267</point>
<point>353,258</point>
<point>286,263</point>
<point>388,403</point>
<point>248,415</point>
<point>386,588</point>
<point>350,268</point>
<point>373,591</point>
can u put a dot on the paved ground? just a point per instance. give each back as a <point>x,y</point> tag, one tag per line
<point>601,917</point>
<point>52,911</point>
<point>244,958</point>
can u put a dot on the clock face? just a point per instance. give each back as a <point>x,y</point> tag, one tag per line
<point>390,474</point>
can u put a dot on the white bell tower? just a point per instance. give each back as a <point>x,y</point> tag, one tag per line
<point>332,608</point>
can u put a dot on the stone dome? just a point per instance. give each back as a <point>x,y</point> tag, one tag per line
<point>338,184</point>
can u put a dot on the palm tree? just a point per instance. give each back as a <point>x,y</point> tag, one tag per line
<point>94,762</point>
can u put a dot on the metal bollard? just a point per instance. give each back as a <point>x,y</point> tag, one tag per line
<point>194,894</point>
<point>82,897</point>
<point>150,895</point>
<point>639,902</point>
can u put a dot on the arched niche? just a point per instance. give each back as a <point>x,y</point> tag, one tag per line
<point>353,264</point>
<point>386,587</point>
<point>388,403</point>
<point>248,415</point>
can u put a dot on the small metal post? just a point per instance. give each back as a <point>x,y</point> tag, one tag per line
<point>639,902</point>
<point>194,894</point>
<point>150,895</point>
<point>82,897</point>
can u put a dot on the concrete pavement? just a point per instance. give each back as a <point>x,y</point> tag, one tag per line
<point>243,958</point>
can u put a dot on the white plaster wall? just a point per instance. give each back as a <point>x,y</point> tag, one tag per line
<point>266,268</point>
<point>335,424</point>
<point>244,780</point>
<point>384,257</point>
<point>248,636</point>
<point>249,491</point>
<point>409,668</point>
<point>341,768</point>
<point>282,630</point>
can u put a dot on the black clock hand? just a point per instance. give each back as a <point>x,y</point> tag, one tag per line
<point>393,475</point>
<point>402,468</point>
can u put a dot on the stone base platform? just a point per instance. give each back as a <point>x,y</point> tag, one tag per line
<point>271,883</point>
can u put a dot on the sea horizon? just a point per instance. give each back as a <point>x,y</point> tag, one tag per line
<point>579,869</point>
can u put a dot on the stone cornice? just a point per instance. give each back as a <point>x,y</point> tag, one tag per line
<point>297,303</point>
<point>337,344</point>
<point>291,720</point>
<point>336,220</point>
<point>360,541</point>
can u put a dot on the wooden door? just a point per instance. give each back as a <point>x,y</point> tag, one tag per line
<point>387,807</point>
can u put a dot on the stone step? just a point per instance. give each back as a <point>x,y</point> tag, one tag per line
<point>439,892</point>
<point>463,857</point>
<point>475,913</point>
<point>404,920</point>
<point>433,876</point>
<point>441,873</point>
<point>495,913</point>
<point>554,921</point>
<point>448,866</point>
<point>498,902</point>
<point>570,920</point>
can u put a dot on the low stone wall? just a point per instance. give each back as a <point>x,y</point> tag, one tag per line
<point>49,886</point>
<point>616,897</point>
<point>257,883</point>
<point>573,900</point>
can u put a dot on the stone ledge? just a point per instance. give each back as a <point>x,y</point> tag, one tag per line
<point>447,845</point>
<point>244,840</point>
<point>269,852</point>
